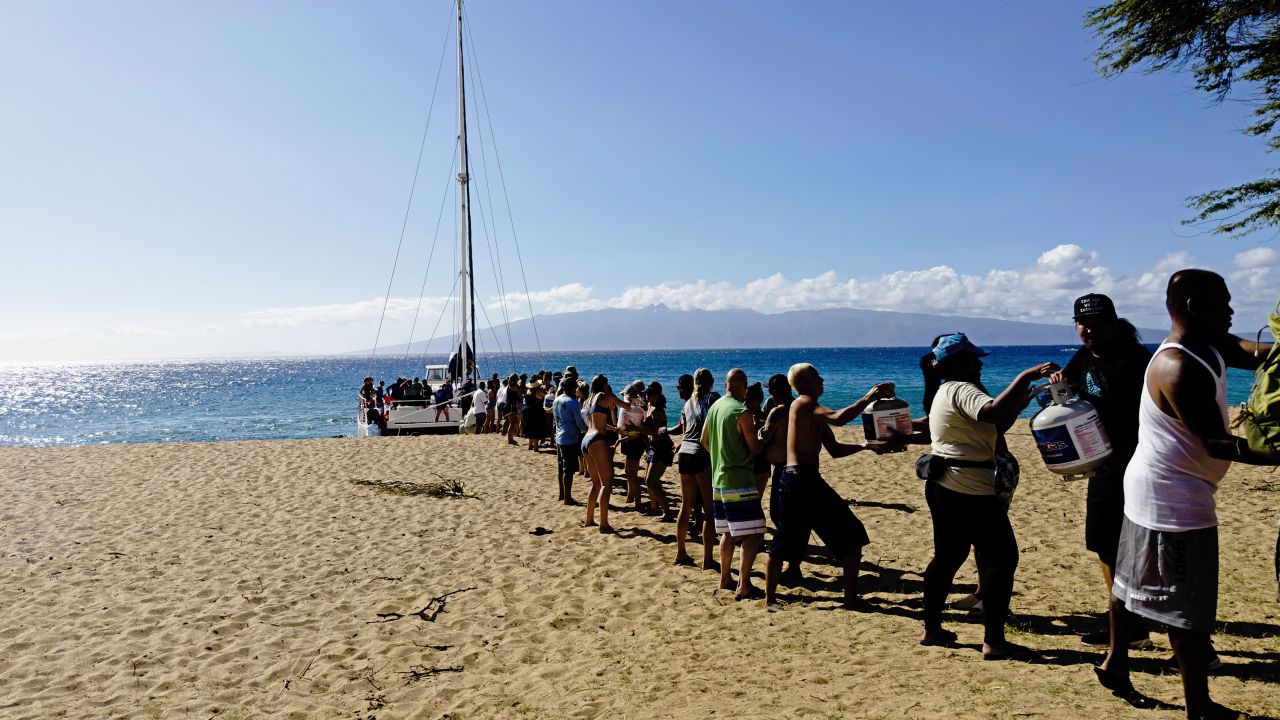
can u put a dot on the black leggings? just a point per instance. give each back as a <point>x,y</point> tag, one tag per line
<point>962,521</point>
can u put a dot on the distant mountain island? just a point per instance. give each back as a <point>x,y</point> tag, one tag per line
<point>660,328</point>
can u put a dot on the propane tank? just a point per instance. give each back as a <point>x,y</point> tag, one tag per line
<point>1069,435</point>
<point>885,415</point>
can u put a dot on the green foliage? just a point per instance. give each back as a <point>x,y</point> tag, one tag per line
<point>1222,43</point>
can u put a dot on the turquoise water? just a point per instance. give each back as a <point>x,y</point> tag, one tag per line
<point>205,400</point>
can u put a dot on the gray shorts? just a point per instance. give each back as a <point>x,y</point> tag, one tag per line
<point>1169,577</point>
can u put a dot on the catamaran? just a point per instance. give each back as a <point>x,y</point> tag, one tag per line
<point>462,370</point>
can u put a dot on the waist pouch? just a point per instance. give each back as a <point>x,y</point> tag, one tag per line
<point>1005,465</point>
<point>933,467</point>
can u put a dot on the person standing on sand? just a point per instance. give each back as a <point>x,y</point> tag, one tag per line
<point>661,452</point>
<point>962,492</point>
<point>773,434</point>
<point>597,448</point>
<point>805,501</point>
<point>480,406</point>
<point>1108,371</point>
<point>695,468</point>
<point>729,435</point>
<point>570,427</point>
<point>1167,561</point>
<point>759,461</point>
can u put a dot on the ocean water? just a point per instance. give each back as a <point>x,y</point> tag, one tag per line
<point>280,398</point>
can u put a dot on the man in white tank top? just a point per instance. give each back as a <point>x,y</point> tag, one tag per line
<point>1167,563</point>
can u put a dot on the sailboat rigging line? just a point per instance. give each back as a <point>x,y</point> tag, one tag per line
<point>502,300</point>
<point>448,301</point>
<point>496,340</point>
<point>444,198</point>
<point>409,206</point>
<point>503,181</point>
<point>500,274</point>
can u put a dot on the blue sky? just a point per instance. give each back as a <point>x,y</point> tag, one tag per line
<point>187,179</point>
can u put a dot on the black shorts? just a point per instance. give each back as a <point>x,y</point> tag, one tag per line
<point>1104,515</point>
<point>694,463</point>
<point>633,448</point>
<point>662,453</point>
<point>567,458</point>
<point>759,464</point>
<point>806,502</point>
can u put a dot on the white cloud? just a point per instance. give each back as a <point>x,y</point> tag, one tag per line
<point>1042,291</point>
<point>362,311</point>
<point>1257,258</point>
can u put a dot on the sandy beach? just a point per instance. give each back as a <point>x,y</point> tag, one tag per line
<point>259,579</point>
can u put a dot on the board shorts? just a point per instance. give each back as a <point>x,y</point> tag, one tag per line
<point>694,463</point>
<point>1169,577</point>
<point>737,511</point>
<point>567,458</point>
<point>807,503</point>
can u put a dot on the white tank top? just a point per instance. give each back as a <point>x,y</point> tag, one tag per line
<point>1170,482</point>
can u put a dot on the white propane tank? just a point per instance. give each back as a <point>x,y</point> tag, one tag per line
<point>1069,435</point>
<point>885,415</point>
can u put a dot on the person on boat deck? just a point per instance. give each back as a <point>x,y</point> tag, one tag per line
<point>397,390</point>
<point>443,396</point>
<point>416,389</point>
<point>367,393</point>
<point>466,396</point>
<point>382,393</point>
<point>1167,562</point>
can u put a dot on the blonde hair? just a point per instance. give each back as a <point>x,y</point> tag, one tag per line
<point>798,373</point>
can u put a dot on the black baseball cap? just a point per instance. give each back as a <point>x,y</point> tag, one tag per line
<point>1095,306</point>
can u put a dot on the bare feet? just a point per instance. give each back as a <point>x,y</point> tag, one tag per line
<point>712,565</point>
<point>607,530</point>
<point>751,592</point>
<point>938,637</point>
<point>589,524</point>
<point>1121,687</point>
<point>1006,651</point>
<point>684,560</point>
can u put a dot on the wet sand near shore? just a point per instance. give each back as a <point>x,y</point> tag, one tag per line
<point>260,579</point>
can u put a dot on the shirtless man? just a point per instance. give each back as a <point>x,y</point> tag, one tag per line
<point>805,501</point>
<point>774,436</point>
<point>1167,564</point>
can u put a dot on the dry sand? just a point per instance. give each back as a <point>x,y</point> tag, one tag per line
<point>237,580</point>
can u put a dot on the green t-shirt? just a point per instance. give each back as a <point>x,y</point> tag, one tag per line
<point>730,454</point>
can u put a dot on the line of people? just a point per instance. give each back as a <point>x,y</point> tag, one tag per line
<point>1150,514</point>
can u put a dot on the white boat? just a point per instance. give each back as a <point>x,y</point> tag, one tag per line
<point>425,415</point>
<point>450,416</point>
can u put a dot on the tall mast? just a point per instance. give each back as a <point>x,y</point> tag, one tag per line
<point>466,286</point>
